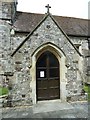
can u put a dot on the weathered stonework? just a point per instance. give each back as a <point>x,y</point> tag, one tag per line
<point>22,61</point>
<point>83,48</point>
<point>8,9</point>
<point>18,71</point>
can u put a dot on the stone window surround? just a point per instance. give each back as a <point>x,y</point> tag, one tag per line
<point>61,58</point>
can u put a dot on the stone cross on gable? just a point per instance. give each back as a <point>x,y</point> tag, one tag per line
<point>48,7</point>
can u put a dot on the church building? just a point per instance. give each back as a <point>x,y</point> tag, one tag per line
<point>42,56</point>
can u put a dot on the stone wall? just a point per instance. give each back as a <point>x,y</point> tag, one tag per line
<point>7,12</point>
<point>16,39</point>
<point>8,9</point>
<point>15,71</point>
<point>5,48</point>
<point>82,42</point>
<point>22,63</point>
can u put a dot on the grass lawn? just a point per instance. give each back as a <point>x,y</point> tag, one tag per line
<point>3,91</point>
<point>87,90</point>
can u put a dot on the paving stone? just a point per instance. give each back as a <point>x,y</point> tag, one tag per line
<point>27,112</point>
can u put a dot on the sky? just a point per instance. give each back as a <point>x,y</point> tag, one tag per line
<point>70,8</point>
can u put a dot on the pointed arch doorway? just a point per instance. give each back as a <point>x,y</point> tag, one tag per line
<point>47,77</point>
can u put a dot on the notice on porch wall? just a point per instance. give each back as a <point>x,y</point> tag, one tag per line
<point>42,74</point>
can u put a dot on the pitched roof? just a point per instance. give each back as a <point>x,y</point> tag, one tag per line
<point>30,33</point>
<point>26,22</point>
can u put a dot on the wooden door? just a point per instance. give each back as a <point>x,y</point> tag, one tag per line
<point>47,77</point>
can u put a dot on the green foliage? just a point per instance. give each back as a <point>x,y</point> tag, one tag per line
<point>3,91</point>
<point>87,90</point>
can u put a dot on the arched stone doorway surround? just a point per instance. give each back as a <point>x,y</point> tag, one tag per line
<point>61,58</point>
